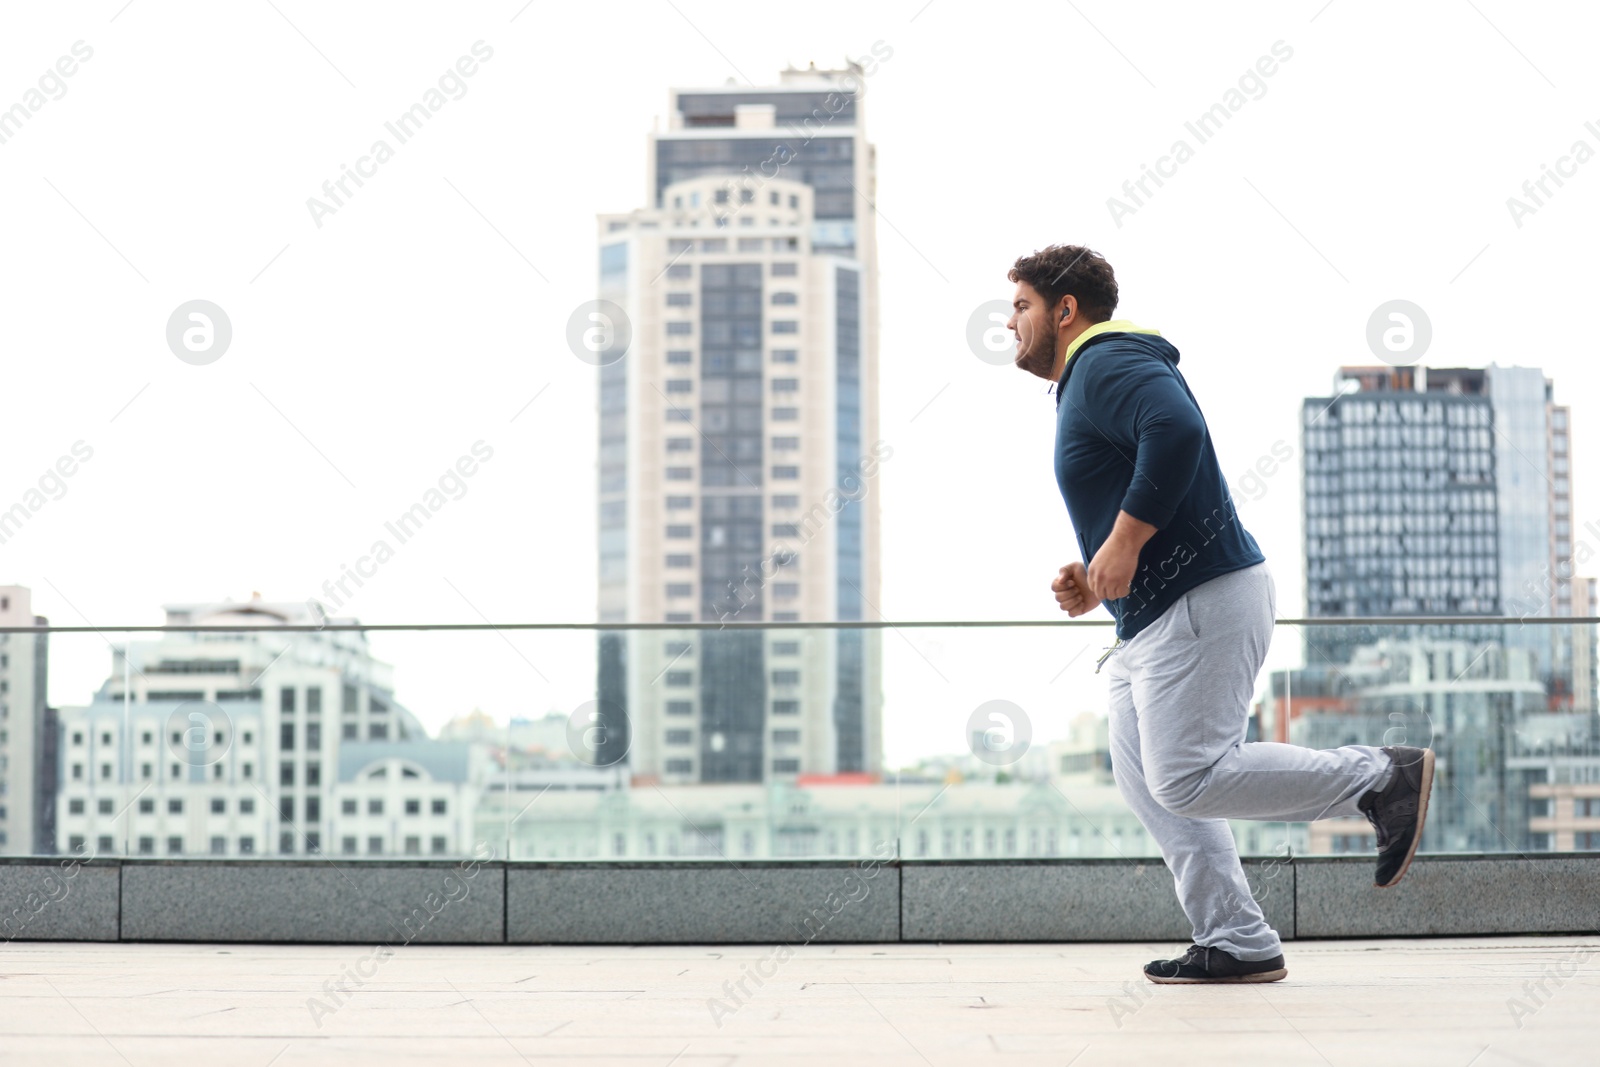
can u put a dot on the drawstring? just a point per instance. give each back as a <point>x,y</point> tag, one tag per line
<point>1112,648</point>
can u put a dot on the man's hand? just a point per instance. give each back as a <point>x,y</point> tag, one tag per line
<point>1071,588</point>
<point>1112,569</point>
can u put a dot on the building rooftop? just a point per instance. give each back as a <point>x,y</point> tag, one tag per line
<point>1440,1001</point>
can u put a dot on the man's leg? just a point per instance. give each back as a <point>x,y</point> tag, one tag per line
<point>1193,674</point>
<point>1200,852</point>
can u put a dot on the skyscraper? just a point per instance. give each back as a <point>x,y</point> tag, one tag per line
<point>738,437</point>
<point>1443,491</point>
<point>27,754</point>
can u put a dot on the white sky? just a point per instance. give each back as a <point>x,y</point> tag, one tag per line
<point>373,352</point>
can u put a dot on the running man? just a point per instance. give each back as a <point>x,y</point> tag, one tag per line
<point>1163,549</point>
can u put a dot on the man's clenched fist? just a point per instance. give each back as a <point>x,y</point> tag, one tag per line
<point>1071,588</point>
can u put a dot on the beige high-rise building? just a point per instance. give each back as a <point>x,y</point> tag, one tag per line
<point>27,756</point>
<point>738,437</point>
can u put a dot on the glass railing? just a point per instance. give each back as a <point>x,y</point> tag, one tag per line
<point>936,740</point>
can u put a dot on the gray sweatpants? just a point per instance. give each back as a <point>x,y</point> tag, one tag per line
<point>1180,696</point>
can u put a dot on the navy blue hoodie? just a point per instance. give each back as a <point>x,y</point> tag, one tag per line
<point>1130,437</point>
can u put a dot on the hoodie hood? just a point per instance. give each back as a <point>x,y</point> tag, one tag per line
<point>1119,331</point>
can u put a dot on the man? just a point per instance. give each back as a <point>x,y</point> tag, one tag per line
<point>1163,550</point>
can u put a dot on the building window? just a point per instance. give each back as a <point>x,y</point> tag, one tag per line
<point>680,560</point>
<point>147,805</point>
<point>785,326</point>
<point>680,589</point>
<point>413,845</point>
<point>286,773</point>
<point>680,385</point>
<point>785,677</point>
<point>785,501</point>
<point>680,271</point>
<point>785,414</point>
<point>349,699</point>
<point>680,532</point>
<point>785,707</point>
<point>174,846</point>
<point>786,385</point>
<point>313,809</point>
<point>75,806</point>
<point>785,529</point>
<point>286,733</point>
<point>785,444</point>
<point>785,270</point>
<point>678,503</point>
<point>679,355</point>
<point>680,766</point>
<point>350,731</point>
<point>247,805</point>
<point>679,329</point>
<point>286,843</point>
<point>286,700</point>
<point>104,806</point>
<point>413,807</point>
<point>219,806</point>
<point>247,846</point>
<point>785,473</point>
<point>680,737</point>
<point>313,729</point>
<point>785,355</point>
<point>439,806</point>
<point>680,474</point>
<point>375,806</point>
<point>678,678</point>
<point>785,766</point>
<point>679,300</point>
<point>680,707</point>
<point>347,807</point>
<point>441,845</point>
<point>786,737</point>
<point>378,731</point>
<point>786,648</point>
<point>347,845</point>
<point>374,846</point>
<point>175,806</point>
<point>785,590</point>
<point>785,298</point>
<point>147,846</point>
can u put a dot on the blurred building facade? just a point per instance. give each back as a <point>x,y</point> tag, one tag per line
<point>27,728</point>
<point>258,743</point>
<point>1442,491</point>
<point>738,439</point>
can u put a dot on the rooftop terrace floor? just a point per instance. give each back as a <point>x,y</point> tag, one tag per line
<point>1446,1002</point>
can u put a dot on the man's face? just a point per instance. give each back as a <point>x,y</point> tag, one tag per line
<point>1032,321</point>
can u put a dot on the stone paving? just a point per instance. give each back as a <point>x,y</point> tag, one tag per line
<point>1450,1002</point>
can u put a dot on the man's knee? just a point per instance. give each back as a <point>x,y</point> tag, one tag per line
<point>1179,794</point>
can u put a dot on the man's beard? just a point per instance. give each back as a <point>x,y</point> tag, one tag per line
<point>1040,359</point>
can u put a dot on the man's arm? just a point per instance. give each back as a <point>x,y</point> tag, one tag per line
<point>1146,406</point>
<point>1110,573</point>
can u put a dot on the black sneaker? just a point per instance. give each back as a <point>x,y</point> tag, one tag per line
<point>1201,964</point>
<point>1399,811</point>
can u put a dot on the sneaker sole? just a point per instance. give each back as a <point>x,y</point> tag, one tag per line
<point>1422,818</point>
<point>1235,979</point>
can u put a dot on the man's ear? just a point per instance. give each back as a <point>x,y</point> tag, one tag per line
<point>1068,306</point>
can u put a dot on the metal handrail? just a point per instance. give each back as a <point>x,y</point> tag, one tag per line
<point>881,624</point>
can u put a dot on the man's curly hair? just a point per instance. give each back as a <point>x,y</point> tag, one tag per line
<point>1062,270</point>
